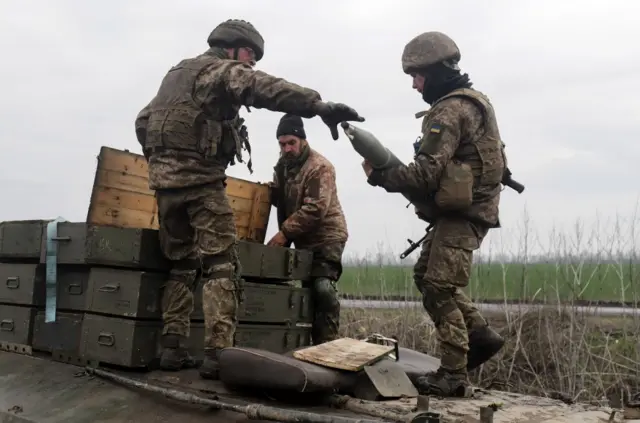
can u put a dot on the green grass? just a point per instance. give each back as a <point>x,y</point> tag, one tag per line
<point>619,282</point>
<point>598,261</point>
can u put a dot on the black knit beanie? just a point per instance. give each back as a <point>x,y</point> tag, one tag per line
<point>291,125</point>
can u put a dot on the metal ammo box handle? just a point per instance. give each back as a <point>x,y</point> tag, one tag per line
<point>13,282</point>
<point>74,289</point>
<point>7,325</point>
<point>110,339</point>
<point>61,238</point>
<point>109,288</point>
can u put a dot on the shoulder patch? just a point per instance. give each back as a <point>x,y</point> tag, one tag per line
<point>432,139</point>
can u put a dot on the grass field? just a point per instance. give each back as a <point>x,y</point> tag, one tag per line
<point>558,352</point>
<point>615,282</point>
<point>587,260</point>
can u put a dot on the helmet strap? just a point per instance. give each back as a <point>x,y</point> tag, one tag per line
<point>236,53</point>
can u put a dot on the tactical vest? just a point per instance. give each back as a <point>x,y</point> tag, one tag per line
<point>482,155</point>
<point>179,122</point>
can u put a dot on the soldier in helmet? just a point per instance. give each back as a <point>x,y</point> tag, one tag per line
<point>458,168</point>
<point>190,132</point>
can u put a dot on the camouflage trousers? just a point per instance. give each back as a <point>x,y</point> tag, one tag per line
<point>326,270</point>
<point>444,266</point>
<point>198,234</point>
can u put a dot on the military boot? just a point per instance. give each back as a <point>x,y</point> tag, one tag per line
<point>210,368</point>
<point>174,354</point>
<point>445,383</point>
<point>484,343</point>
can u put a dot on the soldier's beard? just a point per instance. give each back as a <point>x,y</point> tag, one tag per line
<point>441,80</point>
<point>292,159</point>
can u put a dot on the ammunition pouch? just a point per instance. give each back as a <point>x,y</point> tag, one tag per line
<point>183,129</point>
<point>456,187</point>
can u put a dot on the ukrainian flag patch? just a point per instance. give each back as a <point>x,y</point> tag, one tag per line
<point>435,128</point>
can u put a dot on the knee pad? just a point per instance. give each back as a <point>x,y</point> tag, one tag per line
<point>219,271</point>
<point>220,265</point>
<point>326,294</point>
<point>438,302</point>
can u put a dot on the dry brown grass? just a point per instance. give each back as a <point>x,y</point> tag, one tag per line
<point>554,352</point>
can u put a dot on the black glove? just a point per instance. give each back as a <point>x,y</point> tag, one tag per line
<point>334,113</point>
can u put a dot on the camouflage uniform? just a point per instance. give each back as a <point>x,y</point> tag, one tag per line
<point>190,132</point>
<point>310,215</point>
<point>458,168</point>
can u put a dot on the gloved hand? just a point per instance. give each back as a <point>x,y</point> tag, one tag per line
<point>334,113</point>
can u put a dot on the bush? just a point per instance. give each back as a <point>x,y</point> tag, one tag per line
<point>565,347</point>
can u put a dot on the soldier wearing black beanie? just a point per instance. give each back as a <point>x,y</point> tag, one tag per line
<point>291,125</point>
<point>310,216</point>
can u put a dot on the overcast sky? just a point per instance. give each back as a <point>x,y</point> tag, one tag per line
<point>562,76</point>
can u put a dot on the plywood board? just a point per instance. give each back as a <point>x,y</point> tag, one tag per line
<point>121,197</point>
<point>344,353</point>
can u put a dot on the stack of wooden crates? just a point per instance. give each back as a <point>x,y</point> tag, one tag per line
<point>110,275</point>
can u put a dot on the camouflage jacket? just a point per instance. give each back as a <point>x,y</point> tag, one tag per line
<point>309,211</point>
<point>459,126</point>
<point>219,87</point>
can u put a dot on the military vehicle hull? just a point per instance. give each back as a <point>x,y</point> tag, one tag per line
<point>38,390</point>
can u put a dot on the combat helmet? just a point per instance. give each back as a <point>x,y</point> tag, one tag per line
<point>427,49</point>
<point>237,32</point>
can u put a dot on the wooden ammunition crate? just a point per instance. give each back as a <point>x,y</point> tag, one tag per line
<point>121,197</point>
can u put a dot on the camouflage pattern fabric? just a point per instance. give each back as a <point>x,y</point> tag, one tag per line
<point>462,126</point>
<point>197,232</point>
<point>428,49</point>
<point>454,128</point>
<point>440,272</point>
<point>177,306</point>
<point>313,215</point>
<point>189,135</point>
<point>220,90</point>
<point>220,307</point>
<point>310,214</point>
